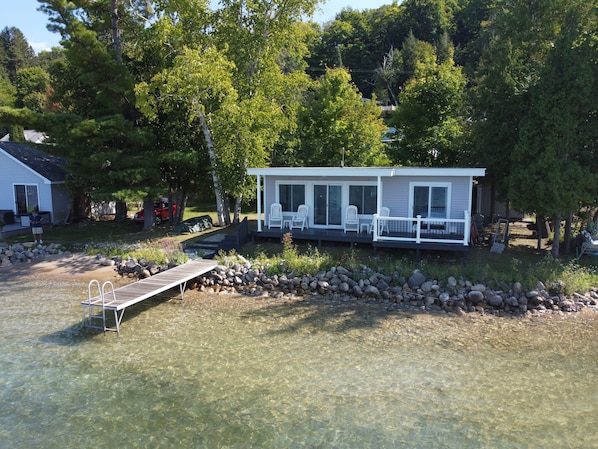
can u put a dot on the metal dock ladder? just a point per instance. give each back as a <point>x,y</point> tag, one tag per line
<point>95,315</point>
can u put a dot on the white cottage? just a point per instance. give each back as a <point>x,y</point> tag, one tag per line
<point>406,207</point>
<point>31,178</point>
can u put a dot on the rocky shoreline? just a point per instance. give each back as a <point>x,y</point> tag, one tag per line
<point>413,291</point>
<point>394,291</point>
<point>27,252</point>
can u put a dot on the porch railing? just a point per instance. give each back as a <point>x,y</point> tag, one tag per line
<point>423,230</point>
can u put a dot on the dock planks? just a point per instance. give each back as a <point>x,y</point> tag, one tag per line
<point>117,300</point>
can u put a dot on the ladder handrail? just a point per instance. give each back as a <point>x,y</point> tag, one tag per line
<point>90,306</point>
<point>91,283</point>
<point>104,285</point>
<point>117,318</point>
<point>102,292</point>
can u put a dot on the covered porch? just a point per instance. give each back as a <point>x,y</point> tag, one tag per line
<point>404,207</point>
<point>388,232</point>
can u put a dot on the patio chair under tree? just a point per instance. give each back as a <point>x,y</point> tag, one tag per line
<point>299,221</point>
<point>275,217</point>
<point>351,219</point>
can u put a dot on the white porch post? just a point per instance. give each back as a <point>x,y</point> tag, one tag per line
<point>467,230</point>
<point>379,195</point>
<point>259,204</point>
<point>467,233</point>
<point>418,229</point>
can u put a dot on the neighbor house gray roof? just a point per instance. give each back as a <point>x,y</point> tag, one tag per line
<point>50,167</point>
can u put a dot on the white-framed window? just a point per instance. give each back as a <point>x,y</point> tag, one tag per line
<point>365,197</point>
<point>26,198</point>
<point>290,196</point>
<point>430,199</point>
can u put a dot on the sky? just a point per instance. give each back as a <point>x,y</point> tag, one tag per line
<point>23,15</point>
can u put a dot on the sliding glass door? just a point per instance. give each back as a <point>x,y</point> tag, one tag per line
<point>26,198</point>
<point>430,201</point>
<point>327,205</point>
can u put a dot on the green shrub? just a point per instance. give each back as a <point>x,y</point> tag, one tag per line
<point>162,252</point>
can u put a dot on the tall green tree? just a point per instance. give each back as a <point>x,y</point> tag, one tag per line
<point>34,90</point>
<point>15,51</point>
<point>428,20</point>
<point>471,19</point>
<point>200,82</point>
<point>430,121</point>
<point>337,127</point>
<point>8,92</point>
<point>108,150</point>
<point>518,41</point>
<point>265,40</point>
<point>237,78</point>
<point>359,42</point>
<point>556,158</point>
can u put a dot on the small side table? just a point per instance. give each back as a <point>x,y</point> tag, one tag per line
<point>286,224</point>
<point>365,227</point>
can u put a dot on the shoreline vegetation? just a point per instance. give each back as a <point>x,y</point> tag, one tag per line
<point>521,281</point>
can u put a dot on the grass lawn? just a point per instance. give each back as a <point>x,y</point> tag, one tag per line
<point>88,232</point>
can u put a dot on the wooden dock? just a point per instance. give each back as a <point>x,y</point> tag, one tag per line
<point>102,298</point>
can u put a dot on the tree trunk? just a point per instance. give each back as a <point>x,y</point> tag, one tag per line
<point>121,211</point>
<point>227,210</point>
<point>539,231</point>
<point>567,240</point>
<point>148,213</point>
<point>508,217</point>
<point>492,199</point>
<point>81,207</point>
<point>237,211</point>
<point>116,31</point>
<point>556,243</point>
<point>221,209</point>
<point>172,217</point>
<point>181,204</point>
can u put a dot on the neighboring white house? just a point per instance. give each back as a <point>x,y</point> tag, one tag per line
<point>424,204</point>
<point>31,178</point>
<point>30,135</point>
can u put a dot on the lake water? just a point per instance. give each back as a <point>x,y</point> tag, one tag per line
<point>232,372</point>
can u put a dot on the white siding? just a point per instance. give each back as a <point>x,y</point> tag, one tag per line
<point>395,191</point>
<point>13,173</point>
<point>395,194</point>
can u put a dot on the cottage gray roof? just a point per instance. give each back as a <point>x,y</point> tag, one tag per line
<point>50,167</point>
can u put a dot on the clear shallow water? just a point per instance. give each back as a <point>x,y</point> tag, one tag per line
<point>229,372</point>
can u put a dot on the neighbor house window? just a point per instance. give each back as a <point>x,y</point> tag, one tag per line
<point>364,197</point>
<point>26,198</point>
<point>290,196</point>
<point>430,200</point>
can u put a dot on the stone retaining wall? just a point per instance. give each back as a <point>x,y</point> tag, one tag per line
<point>416,291</point>
<point>395,290</point>
<point>450,295</point>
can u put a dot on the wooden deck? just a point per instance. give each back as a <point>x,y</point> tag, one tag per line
<point>317,235</point>
<point>351,238</point>
<point>104,297</point>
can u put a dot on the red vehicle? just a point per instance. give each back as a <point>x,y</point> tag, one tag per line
<point>161,212</point>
